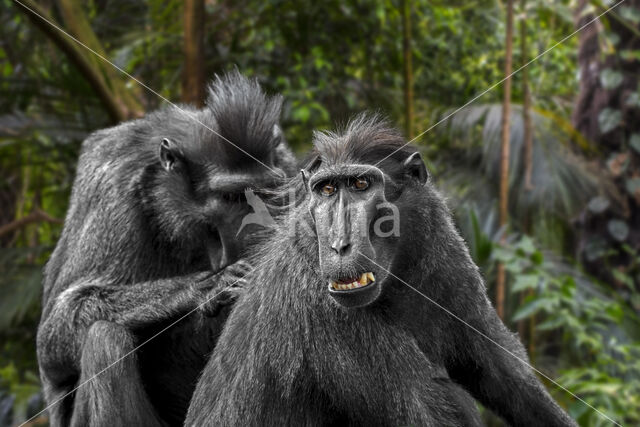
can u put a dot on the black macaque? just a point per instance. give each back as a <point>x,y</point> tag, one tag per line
<point>328,333</point>
<point>150,235</point>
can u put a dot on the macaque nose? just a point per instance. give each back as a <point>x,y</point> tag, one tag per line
<point>341,246</point>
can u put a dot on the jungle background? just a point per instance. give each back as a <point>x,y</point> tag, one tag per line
<point>542,171</point>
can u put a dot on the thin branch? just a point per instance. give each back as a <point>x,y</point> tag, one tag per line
<point>37,215</point>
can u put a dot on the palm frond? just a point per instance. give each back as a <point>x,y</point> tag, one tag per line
<point>563,180</point>
<point>20,285</point>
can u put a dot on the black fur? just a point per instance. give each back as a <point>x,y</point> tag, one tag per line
<point>289,355</point>
<point>243,113</point>
<point>136,253</point>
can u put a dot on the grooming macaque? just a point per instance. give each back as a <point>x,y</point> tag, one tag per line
<point>150,235</point>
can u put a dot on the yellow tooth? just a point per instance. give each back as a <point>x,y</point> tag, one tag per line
<point>334,285</point>
<point>363,279</point>
<point>371,278</point>
<point>354,285</point>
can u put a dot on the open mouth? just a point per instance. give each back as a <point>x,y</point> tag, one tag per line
<point>365,279</point>
<point>355,292</point>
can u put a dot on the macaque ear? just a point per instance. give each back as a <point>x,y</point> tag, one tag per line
<point>414,166</point>
<point>169,154</point>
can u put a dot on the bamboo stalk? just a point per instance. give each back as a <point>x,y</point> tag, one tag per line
<point>504,158</point>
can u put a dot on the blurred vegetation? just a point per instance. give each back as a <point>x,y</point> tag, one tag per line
<point>572,247</point>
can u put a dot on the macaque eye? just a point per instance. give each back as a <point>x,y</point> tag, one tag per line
<point>233,197</point>
<point>328,189</point>
<point>360,184</point>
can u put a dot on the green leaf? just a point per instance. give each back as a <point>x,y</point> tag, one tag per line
<point>551,323</point>
<point>609,119</point>
<point>633,100</point>
<point>610,79</point>
<point>623,278</point>
<point>525,281</point>
<point>598,204</point>
<point>526,245</point>
<point>530,308</point>
<point>630,14</point>
<point>630,55</point>
<point>632,185</point>
<point>501,254</point>
<point>619,230</point>
<point>302,113</point>
<point>634,142</point>
<point>537,258</point>
<point>611,37</point>
<point>578,409</point>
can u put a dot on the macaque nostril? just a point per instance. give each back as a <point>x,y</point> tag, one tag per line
<point>341,247</point>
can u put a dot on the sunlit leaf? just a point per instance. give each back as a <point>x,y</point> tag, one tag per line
<point>619,230</point>
<point>525,281</point>
<point>630,13</point>
<point>529,309</point>
<point>634,142</point>
<point>610,79</point>
<point>609,119</point>
<point>633,186</point>
<point>598,204</point>
<point>550,324</point>
<point>633,100</point>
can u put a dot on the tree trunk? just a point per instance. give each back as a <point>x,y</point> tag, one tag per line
<point>78,58</point>
<point>78,25</point>
<point>408,67</point>
<point>607,113</point>
<point>504,157</point>
<point>526,327</point>
<point>526,102</point>
<point>193,84</point>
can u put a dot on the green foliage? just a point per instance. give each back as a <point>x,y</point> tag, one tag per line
<point>562,180</point>
<point>610,79</point>
<point>598,335</point>
<point>331,59</point>
<point>22,387</point>
<point>609,119</point>
<point>593,333</point>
